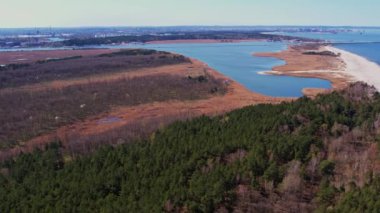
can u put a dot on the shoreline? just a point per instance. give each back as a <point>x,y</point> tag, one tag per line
<point>342,70</point>
<point>204,41</point>
<point>321,66</point>
<point>359,67</point>
<point>296,64</point>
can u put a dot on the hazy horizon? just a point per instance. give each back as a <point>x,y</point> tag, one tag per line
<point>163,26</point>
<point>150,13</point>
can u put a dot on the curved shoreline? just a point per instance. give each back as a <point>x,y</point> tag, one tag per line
<point>343,69</point>
<point>322,64</point>
<point>340,74</point>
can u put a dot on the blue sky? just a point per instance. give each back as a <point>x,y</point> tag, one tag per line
<point>63,13</point>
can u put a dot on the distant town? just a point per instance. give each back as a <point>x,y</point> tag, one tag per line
<point>53,37</point>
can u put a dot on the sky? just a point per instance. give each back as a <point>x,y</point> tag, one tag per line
<point>75,13</point>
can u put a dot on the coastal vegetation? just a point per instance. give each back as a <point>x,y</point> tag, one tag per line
<point>135,52</point>
<point>58,59</point>
<point>14,75</point>
<point>5,67</point>
<point>283,155</point>
<point>322,53</point>
<point>26,113</point>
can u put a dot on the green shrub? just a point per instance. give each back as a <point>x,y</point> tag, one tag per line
<point>327,167</point>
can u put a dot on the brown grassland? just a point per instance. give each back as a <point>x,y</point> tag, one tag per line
<point>98,101</point>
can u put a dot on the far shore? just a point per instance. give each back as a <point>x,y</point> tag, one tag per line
<point>203,41</point>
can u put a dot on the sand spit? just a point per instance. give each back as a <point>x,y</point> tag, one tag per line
<point>340,70</point>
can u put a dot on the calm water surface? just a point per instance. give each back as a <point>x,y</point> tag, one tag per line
<point>371,51</point>
<point>363,42</point>
<point>236,61</point>
<point>365,35</point>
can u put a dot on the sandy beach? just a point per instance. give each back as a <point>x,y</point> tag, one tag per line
<point>341,70</point>
<point>359,68</point>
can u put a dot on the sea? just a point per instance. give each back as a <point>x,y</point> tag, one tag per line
<point>363,41</point>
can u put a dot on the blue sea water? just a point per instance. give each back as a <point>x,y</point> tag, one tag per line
<point>363,42</point>
<point>236,61</point>
<point>363,35</point>
<point>371,51</point>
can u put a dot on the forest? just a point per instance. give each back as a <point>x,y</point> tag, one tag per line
<point>280,154</point>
